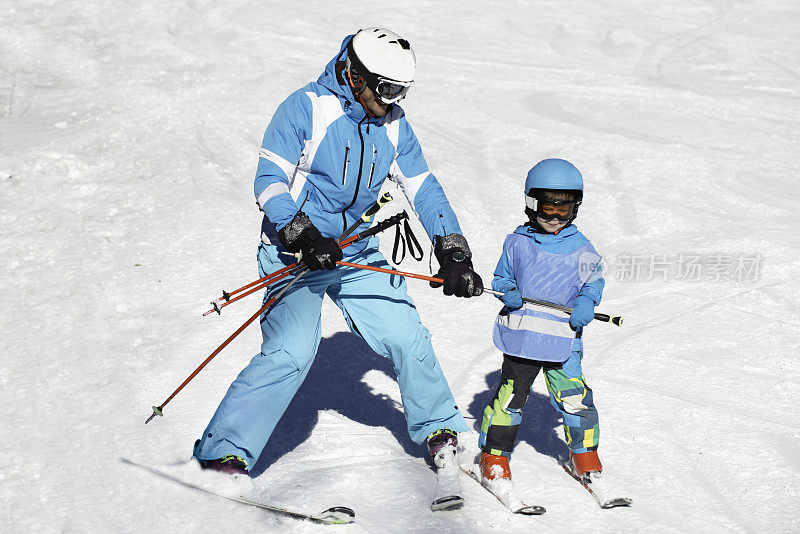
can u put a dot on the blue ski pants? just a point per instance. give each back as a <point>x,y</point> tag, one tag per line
<point>376,307</point>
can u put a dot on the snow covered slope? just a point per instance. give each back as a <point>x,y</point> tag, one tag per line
<point>128,142</point>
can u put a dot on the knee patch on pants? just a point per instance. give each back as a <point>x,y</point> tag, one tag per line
<point>574,400</point>
<point>500,411</point>
<point>501,419</point>
<point>288,362</point>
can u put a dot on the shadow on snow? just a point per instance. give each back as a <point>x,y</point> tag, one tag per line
<point>334,382</point>
<point>541,423</point>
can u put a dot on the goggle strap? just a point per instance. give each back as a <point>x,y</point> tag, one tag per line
<point>530,202</point>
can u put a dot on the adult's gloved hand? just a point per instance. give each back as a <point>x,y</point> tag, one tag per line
<point>455,260</point>
<point>318,252</point>
<point>512,298</point>
<point>582,311</point>
<point>322,253</point>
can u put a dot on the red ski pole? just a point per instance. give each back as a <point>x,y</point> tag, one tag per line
<point>616,320</point>
<point>391,271</point>
<point>261,283</point>
<point>159,410</point>
<point>273,277</point>
<point>391,221</point>
<point>381,226</point>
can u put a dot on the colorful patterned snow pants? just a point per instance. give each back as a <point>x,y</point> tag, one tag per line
<point>569,395</point>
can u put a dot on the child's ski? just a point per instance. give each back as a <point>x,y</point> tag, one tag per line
<point>337,515</point>
<point>503,489</point>
<point>597,488</point>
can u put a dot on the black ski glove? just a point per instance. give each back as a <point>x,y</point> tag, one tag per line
<point>455,260</point>
<point>318,252</point>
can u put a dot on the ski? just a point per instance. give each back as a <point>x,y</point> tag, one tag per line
<point>448,488</point>
<point>504,490</point>
<point>336,515</point>
<point>598,489</point>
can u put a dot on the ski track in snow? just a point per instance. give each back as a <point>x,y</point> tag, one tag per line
<point>128,142</point>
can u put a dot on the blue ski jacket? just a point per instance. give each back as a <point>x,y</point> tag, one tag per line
<point>324,154</point>
<point>551,267</point>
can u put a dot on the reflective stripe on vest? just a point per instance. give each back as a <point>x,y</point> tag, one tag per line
<point>533,333</point>
<point>533,323</point>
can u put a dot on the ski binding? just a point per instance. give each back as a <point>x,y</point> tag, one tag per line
<point>597,488</point>
<point>504,490</point>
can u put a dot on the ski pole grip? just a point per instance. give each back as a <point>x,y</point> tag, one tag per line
<point>383,225</point>
<point>381,202</point>
<point>608,319</point>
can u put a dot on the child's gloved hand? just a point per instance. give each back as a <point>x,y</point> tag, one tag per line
<point>582,311</point>
<point>512,298</point>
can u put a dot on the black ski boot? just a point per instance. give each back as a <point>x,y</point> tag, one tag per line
<point>230,464</point>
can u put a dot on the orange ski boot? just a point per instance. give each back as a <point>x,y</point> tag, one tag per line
<point>585,462</point>
<point>494,467</point>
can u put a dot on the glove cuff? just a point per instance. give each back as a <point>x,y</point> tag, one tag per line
<point>298,233</point>
<point>502,285</point>
<point>445,246</point>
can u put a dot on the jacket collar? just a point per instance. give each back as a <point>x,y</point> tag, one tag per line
<point>533,231</point>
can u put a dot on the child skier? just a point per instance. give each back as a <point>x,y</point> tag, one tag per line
<point>546,259</point>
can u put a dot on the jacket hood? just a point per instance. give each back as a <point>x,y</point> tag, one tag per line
<point>332,79</point>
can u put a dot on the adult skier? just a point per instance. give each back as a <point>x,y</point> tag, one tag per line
<point>325,154</point>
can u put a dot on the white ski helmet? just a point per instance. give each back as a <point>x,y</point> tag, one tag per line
<point>383,61</point>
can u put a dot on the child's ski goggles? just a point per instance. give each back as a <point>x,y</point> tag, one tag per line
<point>552,209</point>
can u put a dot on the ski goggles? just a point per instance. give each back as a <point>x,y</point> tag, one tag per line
<point>390,91</point>
<point>555,209</point>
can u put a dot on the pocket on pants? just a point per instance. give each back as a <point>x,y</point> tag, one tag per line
<point>572,367</point>
<point>423,351</point>
<point>270,258</point>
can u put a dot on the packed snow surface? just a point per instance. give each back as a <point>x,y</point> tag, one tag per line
<point>129,134</point>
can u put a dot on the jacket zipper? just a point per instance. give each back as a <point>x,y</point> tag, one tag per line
<point>344,171</point>
<point>372,167</point>
<point>358,180</point>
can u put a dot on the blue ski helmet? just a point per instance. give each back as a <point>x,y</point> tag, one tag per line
<point>555,174</point>
<point>546,179</point>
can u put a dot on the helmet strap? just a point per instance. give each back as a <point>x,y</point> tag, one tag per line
<point>358,90</point>
<point>363,74</point>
